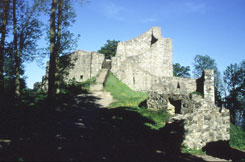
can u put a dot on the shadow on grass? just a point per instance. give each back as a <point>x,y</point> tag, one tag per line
<point>222,149</point>
<point>82,130</point>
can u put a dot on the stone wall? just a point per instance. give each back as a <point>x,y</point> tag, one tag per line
<point>84,65</point>
<point>79,65</point>
<point>203,121</point>
<point>174,85</point>
<point>205,85</point>
<point>204,125</point>
<point>140,61</point>
<point>208,87</point>
<point>145,64</point>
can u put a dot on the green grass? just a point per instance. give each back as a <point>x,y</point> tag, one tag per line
<point>31,97</point>
<point>198,93</point>
<point>159,117</point>
<point>126,97</point>
<point>86,84</point>
<point>237,137</point>
<point>192,151</point>
<point>123,95</point>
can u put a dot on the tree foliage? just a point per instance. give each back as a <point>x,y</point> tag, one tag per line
<point>61,40</point>
<point>26,31</point>
<point>109,49</point>
<point>181,71</point>
<point>234,78</point>
<point>206,62</point>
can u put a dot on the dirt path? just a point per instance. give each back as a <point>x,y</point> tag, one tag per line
<point>97,89</point>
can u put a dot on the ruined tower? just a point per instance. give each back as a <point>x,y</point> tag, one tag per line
<point>140,60</point>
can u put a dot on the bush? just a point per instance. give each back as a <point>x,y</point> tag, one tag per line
<point>237,137</point>
<point>31,97</point>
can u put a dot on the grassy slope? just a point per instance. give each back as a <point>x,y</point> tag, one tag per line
<point>125,97</point>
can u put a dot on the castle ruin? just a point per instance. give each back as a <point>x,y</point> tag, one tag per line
<point>145,64</point>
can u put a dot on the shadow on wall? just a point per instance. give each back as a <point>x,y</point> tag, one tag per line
<point>222,149</point>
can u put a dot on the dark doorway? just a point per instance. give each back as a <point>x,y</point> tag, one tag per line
<point>177,105</point>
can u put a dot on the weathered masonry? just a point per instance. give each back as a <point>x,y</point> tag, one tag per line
<point>145,64</point>
<point>79,65</point>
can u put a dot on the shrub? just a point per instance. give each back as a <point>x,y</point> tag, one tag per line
<point>237,137</point>
<point>31,97</point>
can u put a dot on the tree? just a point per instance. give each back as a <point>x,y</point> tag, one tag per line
<point>109,49</point>
<point>4,22</point>
<point>52,60</point>
<point>61,40</point>
<point>26,31</point>
<point>234,78</point>
<point>181,71</point>
<point>206,62</point>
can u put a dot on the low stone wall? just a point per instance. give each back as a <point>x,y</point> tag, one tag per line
<point>203,121</point>
<point>174,85</point>
<point>206,125</point>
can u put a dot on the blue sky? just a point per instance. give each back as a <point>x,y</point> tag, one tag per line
<point>206,27</point>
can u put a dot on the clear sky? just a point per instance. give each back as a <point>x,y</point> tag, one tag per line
<point>206,27</point>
